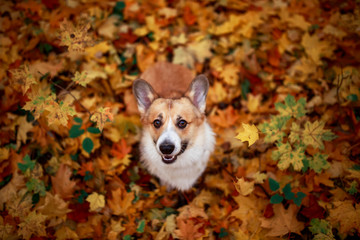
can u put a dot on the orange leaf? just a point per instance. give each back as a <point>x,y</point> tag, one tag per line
<point>86,167</point>
<point>120,201</point>
<point>189,17</point>
<point>274,57</point>
<point>120,149</point>
<point>62,184</point>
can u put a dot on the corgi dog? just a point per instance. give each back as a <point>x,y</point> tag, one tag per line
<point>176,140</point>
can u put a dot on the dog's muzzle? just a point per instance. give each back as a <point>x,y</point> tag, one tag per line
<point>166,150</point>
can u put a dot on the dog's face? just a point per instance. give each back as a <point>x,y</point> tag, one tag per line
<point>172,123</point>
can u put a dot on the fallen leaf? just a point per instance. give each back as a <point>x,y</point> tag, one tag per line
<point>283,222</point>
<point>248,133</point>
<point>62,184</point>
<point>97,201</point>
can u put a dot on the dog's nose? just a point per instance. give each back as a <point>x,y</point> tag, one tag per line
<point>167,148</point>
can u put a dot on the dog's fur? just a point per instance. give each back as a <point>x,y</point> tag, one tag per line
<point>176,140</point>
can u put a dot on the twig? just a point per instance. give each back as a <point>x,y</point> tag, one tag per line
<point>68,92</point>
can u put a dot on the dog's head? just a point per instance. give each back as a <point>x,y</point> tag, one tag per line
<point>172,123</point>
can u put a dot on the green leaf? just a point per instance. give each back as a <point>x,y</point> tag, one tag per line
<point>88,176</point>
<point>6,180</point>
<point>36,186</point>
<point>274,185</point>
<point>356,167</point>
<point>28,164</point>
<point>93,130</point>
<point>320,226</point>
<point>88,145</point>
<point>127,237</point>
<point>276,199</point>
<point>353,188</point>
<point>35,198</point>
<point>141,226</point>
<point>245,88</point>
<point>299,198</point>
<point>78,120</point>
<point>75,131</point>
<point>352,97</point>
<point>223,233</point>
<point>83,195</point>
<point>291,108</point>
<point>319,162</point>
<point>287,192</point>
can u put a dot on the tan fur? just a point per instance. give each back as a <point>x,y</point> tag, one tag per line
<point>173,109</point>
<point>168,80</point>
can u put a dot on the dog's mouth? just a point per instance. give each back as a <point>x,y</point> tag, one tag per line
<point>168,159</point>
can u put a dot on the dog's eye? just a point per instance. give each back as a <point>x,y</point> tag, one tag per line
<point>157,123</point>
<point>182,124</point>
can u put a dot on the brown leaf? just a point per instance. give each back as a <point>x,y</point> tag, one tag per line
<point>62,184</point>
<point>283,221</point>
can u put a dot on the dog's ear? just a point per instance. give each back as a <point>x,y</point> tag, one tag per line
<point>197,92</point>
<point>144,94</point>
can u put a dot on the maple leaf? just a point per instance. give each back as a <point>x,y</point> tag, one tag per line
<point>81,78</point>
<point>188,229</point>
<point>253,102</point>
<point>23,77</point>
<point>75,38</point>
<point>319,162</point>
<point>183,56</point>
<point>230,74</point>
<point>321,229</point>
<point>273,129</point>
<point>315,48</point>
<point>249,133</point>
<point>101,116</point>
<point>243,187</point>
<point>346,214</point>
<point>59,113</point>
<point>97,201</point>
<point>65,232</point>
<point>201,50</point>
<point>32,224</point>
<point>53,206</point>
<point>291,107</point>
<point>24,128</point>
<point>62,184</point>
<point>314,134</point>
<point>259,177</point>
<point>283,222</point>
<point>288,156</point>
<point>121,201</point>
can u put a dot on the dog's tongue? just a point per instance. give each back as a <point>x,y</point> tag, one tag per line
<point>169,158</point>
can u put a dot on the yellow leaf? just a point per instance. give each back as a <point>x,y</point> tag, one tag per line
<point>346,214</point>
<point>32,224</point>
<point>97,201</point>
<point>181,39</point>
<point>183,57</point>
<point>201,50</point>
<point>249,133</point>
<point>81,78</point>
<point>217,92</point>
<point>22,77</point>
<point>259,177</point>
<point>101,116</point>
<point>4,154</point>
<point>253,102</point>
<point>75,38</point>
<point>315,48</point>
<point>243,187</point>
<point>230,74</point>
<point>24,128</point>
<point>65,232</point>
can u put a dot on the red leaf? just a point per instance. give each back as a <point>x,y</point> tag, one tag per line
<point>189,17</point>
<point>80,212</point>
<point>269,211</point>
<point>314,210</point>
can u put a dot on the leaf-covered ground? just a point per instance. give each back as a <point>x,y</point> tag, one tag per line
<point>286,72</point>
